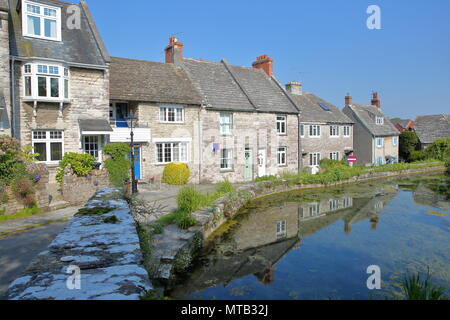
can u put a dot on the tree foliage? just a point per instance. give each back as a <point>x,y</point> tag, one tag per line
<point>409,142</point>
<point>118,165</point>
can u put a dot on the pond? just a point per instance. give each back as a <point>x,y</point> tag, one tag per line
<point>318,244</point>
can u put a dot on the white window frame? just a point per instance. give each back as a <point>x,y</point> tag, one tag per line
<point>42,17</point>
<point>281,229</point>
<point>379,145</point>
<point>226,123</point>
<point>36,70</point>
<point>335,156</point>
<point>379,120</point>
<point>334,204</point>
<point>282,161</point>
<point>302,130</point>
<point>347,131</point>
<point>334,131</point>
<point>315,131</point>
<point>165,110</point>
<point>93,151</point>
<point>314,159</point>
<point>48,140</point>
<point>314,209</point>
<point>229,158</point>
<point>395,141</point>
<point>172,146</point>
<point>281,124</point>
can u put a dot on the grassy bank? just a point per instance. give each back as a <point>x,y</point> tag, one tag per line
<point>24,213</point>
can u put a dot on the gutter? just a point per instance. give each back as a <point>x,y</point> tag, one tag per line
<point>13,97</point>
<point>71,64</point>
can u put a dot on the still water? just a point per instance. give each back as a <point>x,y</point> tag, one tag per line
<point>318,244</point>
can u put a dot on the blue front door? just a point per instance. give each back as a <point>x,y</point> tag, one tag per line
<point>137,162</point>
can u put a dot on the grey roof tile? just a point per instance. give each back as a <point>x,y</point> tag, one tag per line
<point>312,112</point>
<point>95,125</point>
<point>403,122</point>
<point>82,46</point>
<point>433,127</point>
<point>139,80</point>
<point>367,116</point>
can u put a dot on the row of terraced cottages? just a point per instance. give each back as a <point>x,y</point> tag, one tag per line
<point>62,92</point>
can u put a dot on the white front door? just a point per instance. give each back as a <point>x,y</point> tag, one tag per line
<point>261,162</point>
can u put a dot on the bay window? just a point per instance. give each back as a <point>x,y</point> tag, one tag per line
<point>41,21</point>
<point>171,152</point>
<point>47,82</point>
<point>49,145</point>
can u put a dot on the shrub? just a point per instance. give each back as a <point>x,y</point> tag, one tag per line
<point>224,188</point>
<point>176,173</point>
<point>328,164</point>
<point>414,288</point>
<point>439,150</point>
<point>81,164</point>
<point>408,143</point>
<point>118,165</point>
<point>266,178</point>
<point>185,220</point>
<point>189,199</point>
<point>23,189</point>
<point>9,156</point>
<point>417,156</point>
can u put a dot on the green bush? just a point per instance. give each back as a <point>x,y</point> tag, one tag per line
<point>9,157</point>
<point>328,164</point>
<point>408,143</point>
<point>266,178</point>
<point>176,173</point>
<point>23,189</point>
<point>118,165</point>
<point>439,150</point>
<point>190,200</point>
<point>416,288</point>
<point>417,156</point>
<point>81,164</point>
<point>224,188</point>
<point>185,220</point>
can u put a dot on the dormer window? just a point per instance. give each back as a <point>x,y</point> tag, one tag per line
<point>379,120</point>
<point>46,82</point>
<point>41,21</point>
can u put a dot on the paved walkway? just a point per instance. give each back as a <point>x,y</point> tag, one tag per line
<point>20,225</point>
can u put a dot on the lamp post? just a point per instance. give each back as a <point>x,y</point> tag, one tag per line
<point>132,118</point>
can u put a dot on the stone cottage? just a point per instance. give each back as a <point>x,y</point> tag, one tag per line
<point>431,128</point>
<point>376,140</point>
<point>325,131</point>
<point>59,82</point>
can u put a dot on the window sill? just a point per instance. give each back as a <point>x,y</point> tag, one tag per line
<point>172,122</point>
<point>48,100</point>
<point>282,134</point>
<point>42,38</point>
<point>226,170</point>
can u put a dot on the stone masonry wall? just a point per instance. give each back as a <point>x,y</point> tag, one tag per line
<point>325,144</point>
<point>253,130</point>
<point>5,127</point>
<point>85,187</point>
<point>89,99</point>
<point>147,112</point>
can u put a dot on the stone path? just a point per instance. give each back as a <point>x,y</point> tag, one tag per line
<point>20,225</point>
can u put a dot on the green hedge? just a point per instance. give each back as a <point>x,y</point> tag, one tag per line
<point>118,165</point>
<point>176,173</point>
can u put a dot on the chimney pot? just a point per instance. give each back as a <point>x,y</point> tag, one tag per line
<point>376,100</point>
<point>264,62</point>
<point>294,88</point>
<point>174,51</point>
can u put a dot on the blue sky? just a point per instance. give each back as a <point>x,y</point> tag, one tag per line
<point>325,44</point>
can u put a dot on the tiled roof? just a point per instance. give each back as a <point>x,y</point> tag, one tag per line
<point>81,46</point>
<point>228,87</point>
<point>433,127</point>
<point>138,80</point>
<point>367,114</point>
<point>311,111</point>
<point>95,125</point>
<point>403,122</point>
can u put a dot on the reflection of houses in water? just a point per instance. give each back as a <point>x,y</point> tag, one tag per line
<point>423,195</point>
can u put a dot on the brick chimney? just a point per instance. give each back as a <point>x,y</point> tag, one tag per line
<point>174,51</point>
<point>294,88</point>
<point>348,100</point>
<point>375,100</point>
<point>265,63</point>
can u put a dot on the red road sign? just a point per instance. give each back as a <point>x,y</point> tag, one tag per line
<point>351,159</point>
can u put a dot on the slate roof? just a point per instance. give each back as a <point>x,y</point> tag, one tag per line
<point>312,112</point>
<point>367,116</point>
<point>233,88</point>
<point>403,122</point>
<point>83,46</point>
<point>433,127</point>
<point>138,80</point>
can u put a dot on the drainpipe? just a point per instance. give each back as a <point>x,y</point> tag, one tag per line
<point>200,153</point>
<point>299,145</point>
<point>13,97</point>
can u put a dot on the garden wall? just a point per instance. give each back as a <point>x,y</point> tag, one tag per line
<point>77,190</point>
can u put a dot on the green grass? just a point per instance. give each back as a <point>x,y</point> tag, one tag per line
<point>416,288</point>
<point>23,213</point>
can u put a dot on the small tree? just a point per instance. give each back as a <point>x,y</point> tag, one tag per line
<point>118,165</point>
<point>409,142</point>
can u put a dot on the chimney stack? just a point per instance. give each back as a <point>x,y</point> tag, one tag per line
<point>348,100</point>
<point>265,63</point>
<point>294,88</point>
<point>174,51</point>
<point>375,100</point>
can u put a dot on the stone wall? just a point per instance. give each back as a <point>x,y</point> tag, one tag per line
<point>250,130</point>
<point>77,190</point>
<point>5,127</point>
<point>107,256</point>
<point>325,144</point>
